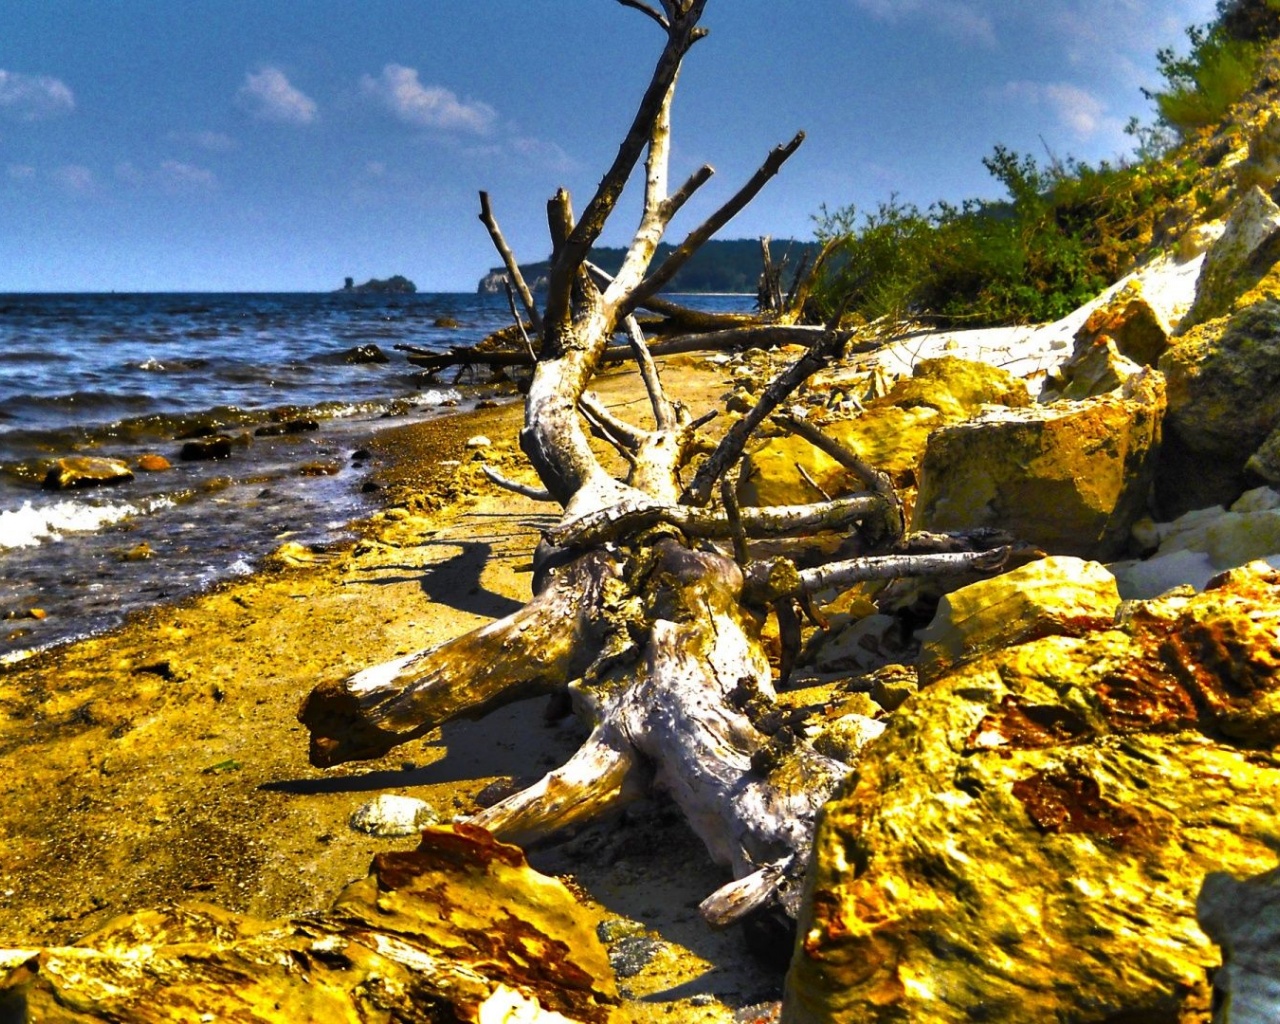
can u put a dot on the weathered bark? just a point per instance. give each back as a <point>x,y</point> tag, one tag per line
<point>653,633</point>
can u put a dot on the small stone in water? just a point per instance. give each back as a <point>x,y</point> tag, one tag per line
<point>152,463</point>
<point>388,816</point>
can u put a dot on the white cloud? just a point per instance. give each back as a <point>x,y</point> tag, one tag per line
<point>958,18</point>
<point>172,177</point>
<point>34,97</point>
<point>214,142</point>
<point>543,154</point>
<point>269,96</point>
<point>175,176</point>
<point>76,179</point>
<point>1076,109</point>
<point>428,106</point>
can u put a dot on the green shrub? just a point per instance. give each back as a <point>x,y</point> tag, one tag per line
<point>1063,234</point>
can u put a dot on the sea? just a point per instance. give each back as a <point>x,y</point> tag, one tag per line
<point>289,377</point>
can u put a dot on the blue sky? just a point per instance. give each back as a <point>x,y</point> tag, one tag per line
<point>188,145</point>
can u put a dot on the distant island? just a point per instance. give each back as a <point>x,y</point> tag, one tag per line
<point>728,265</point>
<point>396,285</point>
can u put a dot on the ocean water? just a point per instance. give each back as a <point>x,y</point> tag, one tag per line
<point>128,375</point>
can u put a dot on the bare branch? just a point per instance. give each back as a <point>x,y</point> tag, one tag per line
<point>734,516</point>
<point>664,415</point>
<point>536,493</point>
<point>509,261</point>
<point>734,441</point>
<point>843,575</point>
<point>877,481</point>
<point>626,438</point>
<point>628,519</point>
<point>661,277</point>
<point>682,33</point>
<point>515,313</point>
<point>644,8</point>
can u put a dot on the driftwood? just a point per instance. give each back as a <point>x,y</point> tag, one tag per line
<point>640,613</point>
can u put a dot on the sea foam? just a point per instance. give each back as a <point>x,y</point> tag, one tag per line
<point>31,525</point>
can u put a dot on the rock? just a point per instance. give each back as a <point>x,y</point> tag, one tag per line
<point>153,463</point>
<point>1071,477</point>
<point>1199,545</point>
<point>479,441</point>
<point>388,815</point>
<point>1261,167</point>
<point>1027,839</point>
<point>86,471</point>
<point>1237,260</point>
<point>446,322</point>
<point>364,354</point>
<point>203,449</point>
<point>1199,238</point>
<point>1059,596</point>
<point>1097,370</point>
<point>1243,917</point>
<point>1140,332</point>
<point>1224,402</point>
<point>140,552</point>
<point>1265,462</point>
<point>288,427</point>
<point>892,685</point>
<point>319,469</point>
<point>459,929</point>
<point>890,434</point>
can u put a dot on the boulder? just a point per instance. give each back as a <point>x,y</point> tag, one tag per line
<point>1224,402</point>
<point>1027,839</point>
<point>890,434</point>
<point>1139,331</point>
<point>1096,370</point>
<point>86,471</point>
<point>1199,545</point>
<point>1057,596</point>
<point>1243,917</point>
<point>1237,260</point>
<point>459,929</point>
<point>1070,477</point>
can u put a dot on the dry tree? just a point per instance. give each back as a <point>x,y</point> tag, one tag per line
<point>648,606</point>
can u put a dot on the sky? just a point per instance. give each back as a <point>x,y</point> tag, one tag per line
<point>282,145</point>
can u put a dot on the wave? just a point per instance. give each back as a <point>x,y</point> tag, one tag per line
<point>31,525</point>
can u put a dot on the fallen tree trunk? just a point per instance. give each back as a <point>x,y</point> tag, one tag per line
<point>652,630</point>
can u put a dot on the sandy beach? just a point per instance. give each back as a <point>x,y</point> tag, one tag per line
<point>162,762</point>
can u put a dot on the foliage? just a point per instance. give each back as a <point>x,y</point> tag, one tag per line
<point>1221,66</point>
<point>1063,234</point>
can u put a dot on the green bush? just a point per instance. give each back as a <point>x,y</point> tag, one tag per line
<point>1063,234</point>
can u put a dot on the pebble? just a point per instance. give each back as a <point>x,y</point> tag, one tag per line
<point>478,441</point>
<point>388,816</point>
<point>629,956</point>
<point>152,463</point>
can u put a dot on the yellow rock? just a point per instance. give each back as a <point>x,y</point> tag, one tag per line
<point>890,434</point>
<point>459,929</point>
<point>1071,477</point>
<point>1057,596</point>
<point>1027,839</point>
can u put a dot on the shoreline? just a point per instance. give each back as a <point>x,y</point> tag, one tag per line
<point>178,772</point>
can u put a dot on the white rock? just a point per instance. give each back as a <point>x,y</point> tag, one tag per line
<point>479,441</point>
<point>1199,545</point>
<point>389,815</point>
